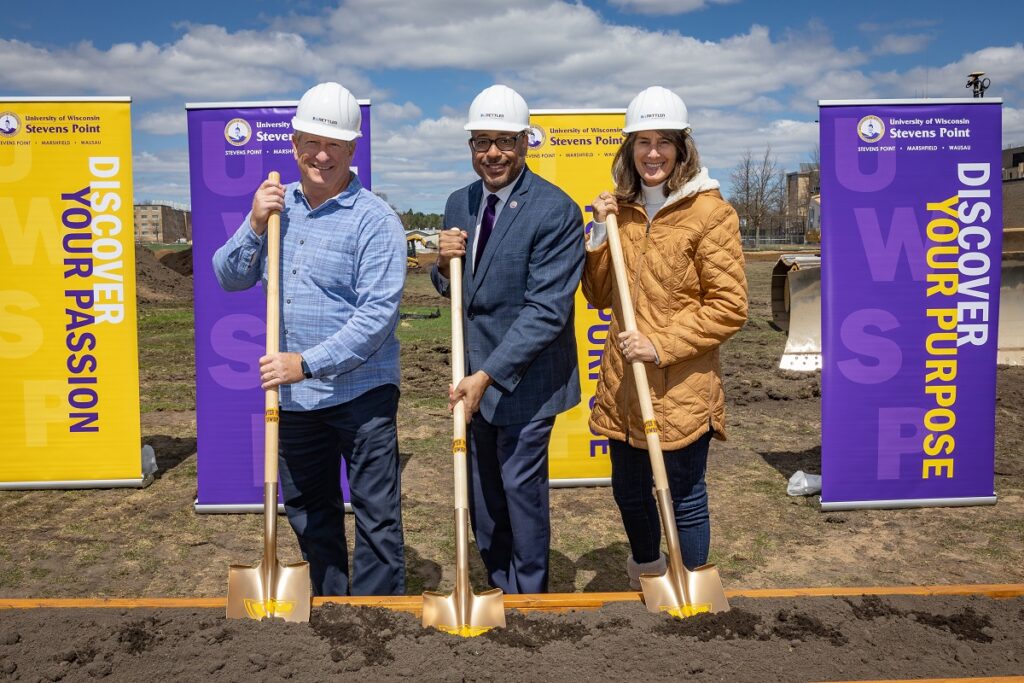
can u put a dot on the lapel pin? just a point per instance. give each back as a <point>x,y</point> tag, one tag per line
<point>513,204</point>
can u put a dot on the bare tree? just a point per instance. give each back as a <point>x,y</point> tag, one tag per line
<point>758,191</point>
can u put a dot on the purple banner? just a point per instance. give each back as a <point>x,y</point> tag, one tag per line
<point>231,149</point>
<point>911,242</point>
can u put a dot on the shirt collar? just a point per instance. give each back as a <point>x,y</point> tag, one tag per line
<point>505,192</point>
<point>346,198</point>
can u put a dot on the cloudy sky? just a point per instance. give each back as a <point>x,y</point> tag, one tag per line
<point>750,71</point>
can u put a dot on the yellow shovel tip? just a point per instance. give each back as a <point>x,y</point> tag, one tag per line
<point>465,631</point>
<point>261,609</point>
<point>684,611</point>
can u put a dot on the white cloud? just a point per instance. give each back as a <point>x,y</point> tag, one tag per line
<point>905,44</point>
<point>389,111</point>
<point>421,164</point>
<point>1013,127</point>
<point>173,161</point>
<point>207,62</point>
<point>744,91</point>
<point>668,6</point>
<point>161,175</point>
<point>165,122</point>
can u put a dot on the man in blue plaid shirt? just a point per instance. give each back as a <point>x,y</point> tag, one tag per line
<point>343,270</point>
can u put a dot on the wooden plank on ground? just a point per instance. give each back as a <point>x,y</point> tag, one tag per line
<point>547,602</point>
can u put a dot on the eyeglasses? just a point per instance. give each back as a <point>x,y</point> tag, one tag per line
<point>504,143</point>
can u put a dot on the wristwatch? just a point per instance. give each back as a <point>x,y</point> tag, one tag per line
<point>307,373</point>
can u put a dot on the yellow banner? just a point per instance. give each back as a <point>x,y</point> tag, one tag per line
<point>69,411</point>
<point>574,150</point>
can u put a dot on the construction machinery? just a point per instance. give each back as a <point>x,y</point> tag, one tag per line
<point>410,244</point>
<point>796,305</point>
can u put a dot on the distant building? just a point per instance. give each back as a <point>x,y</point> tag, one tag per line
<point>1013,188</point>
<point>1013,163</point>
<point>801,186</point>
<point>162,222</point>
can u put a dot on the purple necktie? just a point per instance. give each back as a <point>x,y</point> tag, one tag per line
<point>485,229</point>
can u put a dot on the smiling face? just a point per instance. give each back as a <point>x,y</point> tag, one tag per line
<point>496,167</point>
<point>654,156</point>
<point>324,165</point>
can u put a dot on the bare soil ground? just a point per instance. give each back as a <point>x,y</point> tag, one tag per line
<point>758,640</point>
<point>149,542</point>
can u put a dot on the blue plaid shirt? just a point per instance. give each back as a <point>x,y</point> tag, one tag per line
<point>342,274</point>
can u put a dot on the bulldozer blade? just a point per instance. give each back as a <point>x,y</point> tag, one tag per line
<point>251,595</point>
<point>484,612</point>
<point>803,343</point>
<point>703,587</point>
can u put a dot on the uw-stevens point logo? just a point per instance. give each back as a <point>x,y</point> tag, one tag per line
<point>237,132</point>
<point>10,124</point>
<point>870,129</point>
<point>535,136</point>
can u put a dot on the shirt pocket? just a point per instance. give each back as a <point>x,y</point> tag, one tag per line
<point>332,266</point>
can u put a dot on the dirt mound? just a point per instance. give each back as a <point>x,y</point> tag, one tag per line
<point>156,283</point>
<point>759,640</point>
<point>178,261</point>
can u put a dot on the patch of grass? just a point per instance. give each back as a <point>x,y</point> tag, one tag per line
<point>425,330</point>
<point>166,358</point>
<point>159,246</point>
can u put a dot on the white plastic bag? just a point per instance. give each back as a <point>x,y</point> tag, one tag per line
<point>148,461</point>
<point>803,484</point>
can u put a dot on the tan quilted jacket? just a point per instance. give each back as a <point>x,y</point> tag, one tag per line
<point>689,292</point>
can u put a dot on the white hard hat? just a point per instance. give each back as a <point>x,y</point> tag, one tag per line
<point>328,109</point>
<point>499,107</point>
<point>656,108</point>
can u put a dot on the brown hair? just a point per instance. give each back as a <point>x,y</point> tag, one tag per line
<point>627,178</point>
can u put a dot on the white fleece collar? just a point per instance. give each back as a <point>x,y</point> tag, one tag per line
<point>702,182</point>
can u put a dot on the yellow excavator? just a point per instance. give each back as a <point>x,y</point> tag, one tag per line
<point>410,244</point>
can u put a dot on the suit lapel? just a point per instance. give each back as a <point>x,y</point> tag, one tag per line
<point>509,213</point>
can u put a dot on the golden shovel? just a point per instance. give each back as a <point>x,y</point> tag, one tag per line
<point>268,588</point>
<point>680,592</point>
<point>462,613</point>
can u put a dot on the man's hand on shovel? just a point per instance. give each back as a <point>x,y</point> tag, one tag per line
<point>470,391</point>
<point>280,368</point>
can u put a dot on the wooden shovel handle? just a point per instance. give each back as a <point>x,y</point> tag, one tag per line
<point>459,443</point>
<point>272,402</point>
<point>643,390</point>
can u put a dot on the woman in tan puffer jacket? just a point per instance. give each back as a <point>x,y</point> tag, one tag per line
<point>683,257</point>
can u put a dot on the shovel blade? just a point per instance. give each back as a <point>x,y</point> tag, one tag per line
<point>250,596</point>
<point>703,586</point>
<point>485,611</point>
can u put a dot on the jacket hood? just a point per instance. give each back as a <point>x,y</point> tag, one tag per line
<point>702,182</point>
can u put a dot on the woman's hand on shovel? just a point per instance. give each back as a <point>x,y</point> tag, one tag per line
<point>634,346</point>
<point>280,368</point>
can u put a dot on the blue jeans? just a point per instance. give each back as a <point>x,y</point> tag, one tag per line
<point>312,444</point>
<point>508,502</point>
<point>632,487</point>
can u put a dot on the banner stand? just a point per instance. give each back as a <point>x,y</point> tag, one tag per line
<point>69,413</point>
<point>911,249</point>
<point>909,503</point>
<point>232,146</point>
<point>574,149</point>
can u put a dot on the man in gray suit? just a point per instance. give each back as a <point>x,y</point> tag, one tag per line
<point>525,258</point>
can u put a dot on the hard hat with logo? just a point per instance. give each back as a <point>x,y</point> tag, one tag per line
<point>330,110</point>
<point>656,108</point>
<point>499,107</point>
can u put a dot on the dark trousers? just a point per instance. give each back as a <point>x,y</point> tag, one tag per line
<point>632,487</point>
<point>312,444</point>
<point>508,502</point>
